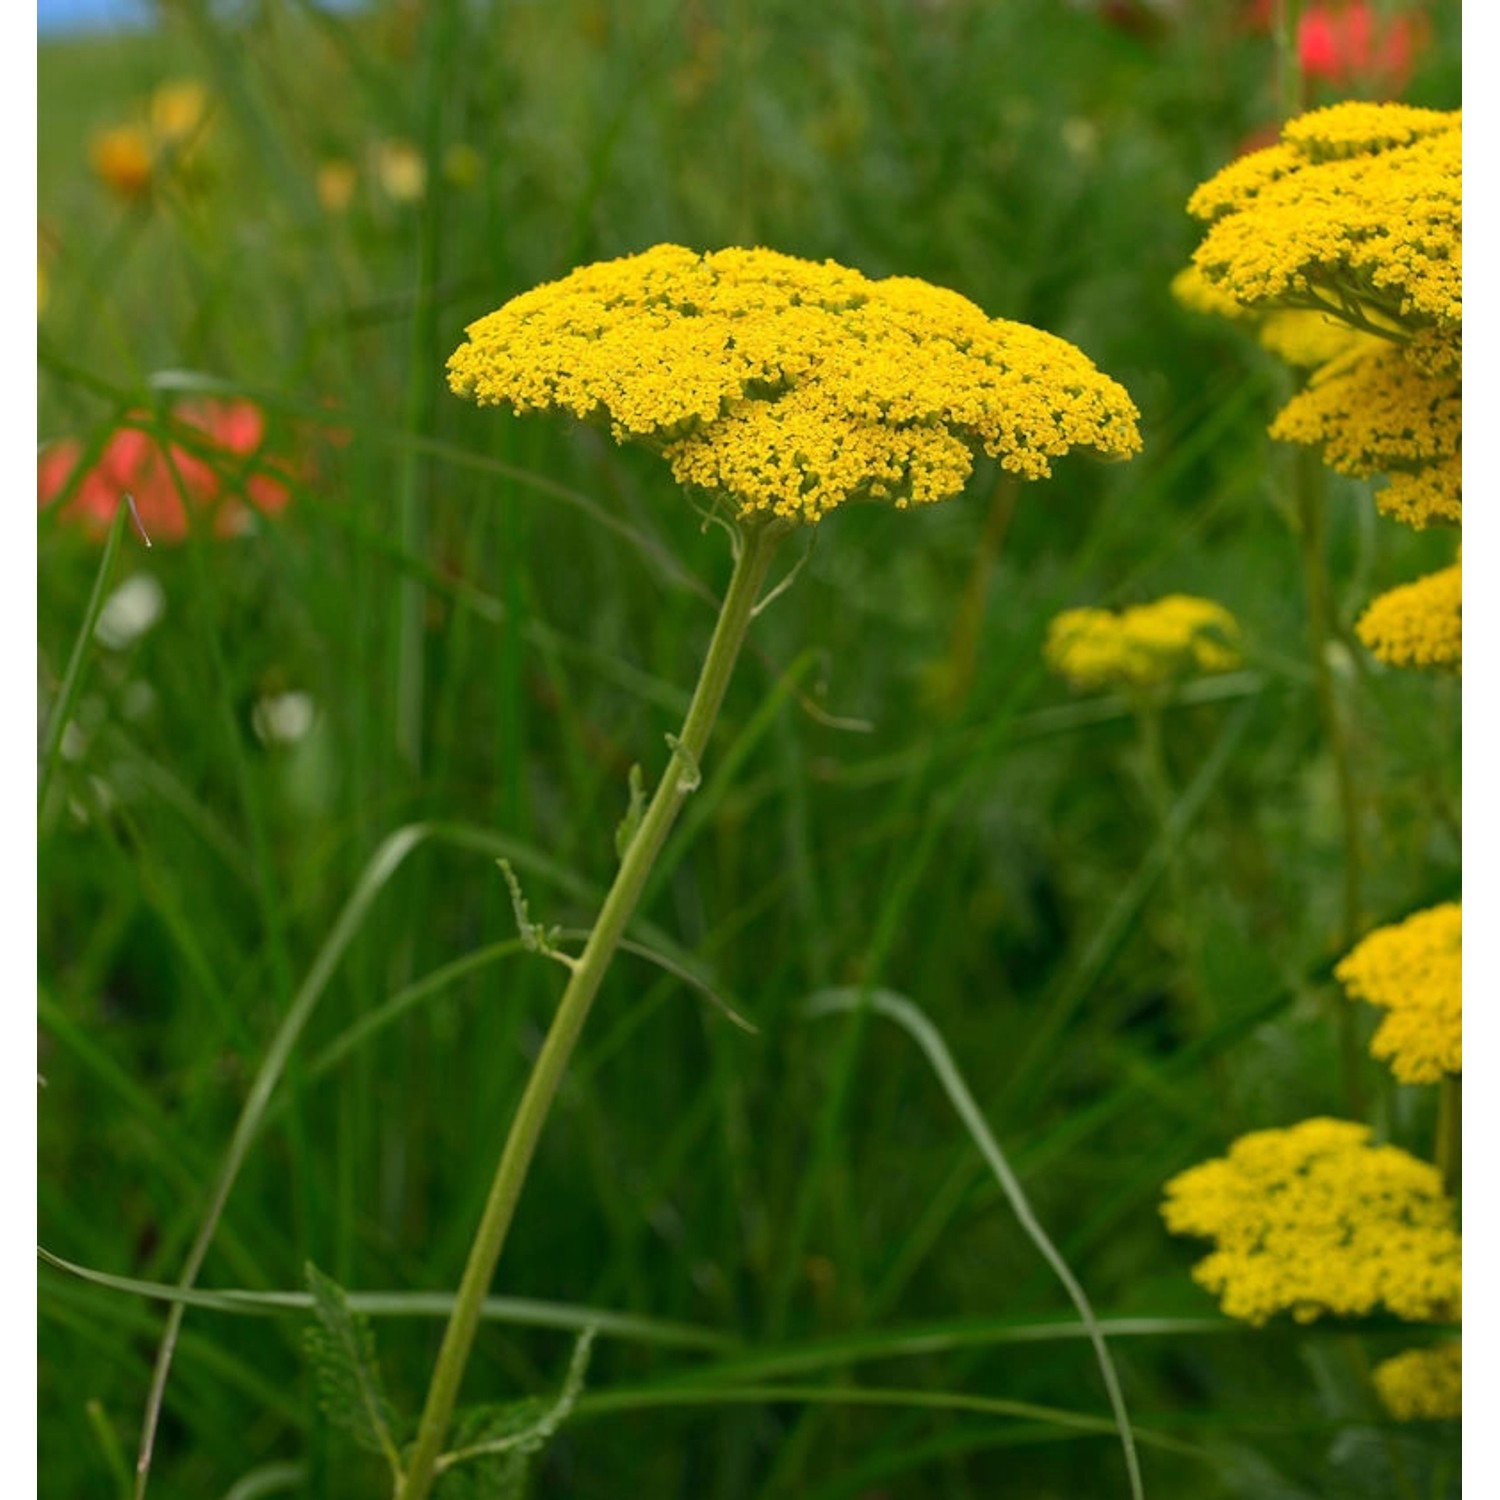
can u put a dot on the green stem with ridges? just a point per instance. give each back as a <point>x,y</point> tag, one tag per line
<point>757,544</point>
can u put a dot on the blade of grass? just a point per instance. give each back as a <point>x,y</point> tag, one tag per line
<point>523,1312</point>
<point>66,698</point>
<point>911,1019</point>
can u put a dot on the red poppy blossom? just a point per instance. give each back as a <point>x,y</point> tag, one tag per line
<point>1349,43</point>
<point>221,471</point>
<point>1345,43</point>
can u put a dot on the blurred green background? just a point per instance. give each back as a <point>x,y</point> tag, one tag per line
<point>480,623</point>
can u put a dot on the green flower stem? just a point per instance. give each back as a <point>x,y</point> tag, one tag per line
<point>758,542</point>
<point>1311,488</point>
<point>1197,1013</point>
<point>1450,1132</point>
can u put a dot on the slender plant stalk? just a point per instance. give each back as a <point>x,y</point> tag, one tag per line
<point>1148,718</point>
<point>1311,489</point>
<point>757,544</point>
<point>1450,1131</point>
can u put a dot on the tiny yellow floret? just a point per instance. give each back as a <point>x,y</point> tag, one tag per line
<point>1315,1219</point>
<point>1418,624</point>
<point>1414,971</point>
<point>1144,646</point>
<point>792,387</point>
<point>1423,1384</point>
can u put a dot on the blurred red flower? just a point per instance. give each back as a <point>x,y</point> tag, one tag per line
<point>1345,42</point>
<point>221,470</point>
<point>1348,43</point>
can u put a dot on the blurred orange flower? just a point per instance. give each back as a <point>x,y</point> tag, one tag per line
<point>122,160</point>
<point>221,470</point>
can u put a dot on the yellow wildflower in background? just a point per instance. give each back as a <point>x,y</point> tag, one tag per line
<point>1143,646</point>
<point>1423,1383</point>
<point>1198,294</point>
<point>122,160</point>
<point>1308,339</point>
<point>789,386</point>
<point>178,111</point>
<point>1358,208</point>
<point>1372,411</point>
<point>1414,970</point>
<point>336,182</point>
<point>401,171</point>
<point>1315,1219</point>
<point>1418,624</point>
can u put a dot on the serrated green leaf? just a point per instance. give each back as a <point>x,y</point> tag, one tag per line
<point>341,1348</point>
<point>494,1445</point>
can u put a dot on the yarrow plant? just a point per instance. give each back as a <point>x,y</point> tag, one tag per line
<point>1422,1384</point>
<point>1314,1220</point>
<point>1355,217</point>
<point>1145,646</point>
<point>789,388</point>
<point>1414,971</point>
<point>1418,624</point>
<point>778,390</point>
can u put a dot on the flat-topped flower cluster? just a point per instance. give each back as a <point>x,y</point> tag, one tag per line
<point>1314,1219</point>
<point>1143,646</point>
<point>1413,970</point>
<point>792,387</point>
<point>1343,244</point>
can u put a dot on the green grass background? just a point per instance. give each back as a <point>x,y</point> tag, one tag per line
<point>496,618</point>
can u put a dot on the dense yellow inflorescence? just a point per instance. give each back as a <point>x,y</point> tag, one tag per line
<point>1430,496</point>
<point>793,387</point>
<point>1423,1384</point>
<point>1315,1219</point>
<point>1414,971</point>
<point>1371,411</point>
<point>1144,646</point>
<point>1358,206</point>
<point>1418,624</point>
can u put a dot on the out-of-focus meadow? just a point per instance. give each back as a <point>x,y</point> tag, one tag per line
<point>262,230</point>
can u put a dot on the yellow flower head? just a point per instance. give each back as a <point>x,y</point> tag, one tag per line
<point>789,386</point>
<point>1418,624</point>
<point>1414,971</point>
<point>1315,1219</point>
<point>401,170</point>
<point>1358,206</point>
<point>122,160</point>
<point>337,181</point>
<point>177,111</point>
<point>1423,1383</point>
<point>1373,411</point>
<point>1149,644</point>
